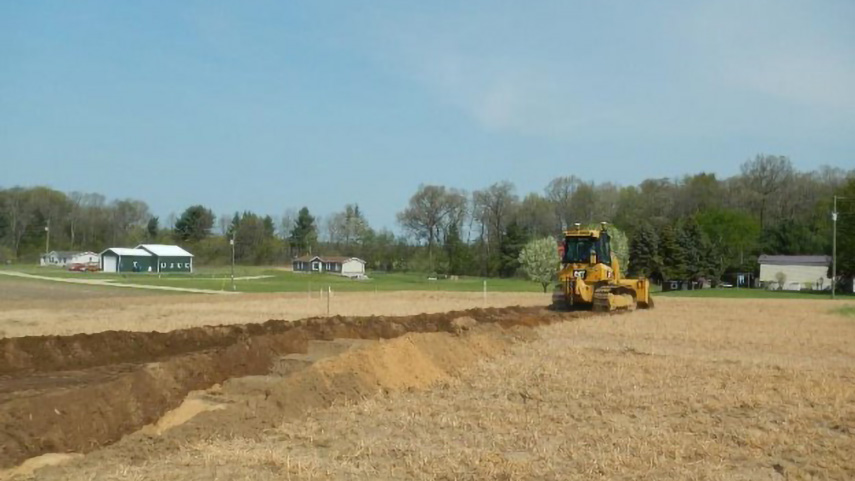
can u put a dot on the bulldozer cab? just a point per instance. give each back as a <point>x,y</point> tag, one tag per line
<point>587,247</point>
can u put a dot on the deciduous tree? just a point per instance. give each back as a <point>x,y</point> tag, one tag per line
<point>846,231</point>
<point>539,260</point>
<point>765,176</point>
<point>428,213</point>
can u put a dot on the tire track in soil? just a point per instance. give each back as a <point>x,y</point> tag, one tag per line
<point>61,394</point>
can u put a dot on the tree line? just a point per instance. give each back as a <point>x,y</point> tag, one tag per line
<point>695,226</point>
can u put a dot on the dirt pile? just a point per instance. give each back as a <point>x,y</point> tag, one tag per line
<point>77,393</point>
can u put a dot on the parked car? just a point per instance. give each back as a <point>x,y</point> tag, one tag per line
<point>81,267</point>
<point>725,285</point>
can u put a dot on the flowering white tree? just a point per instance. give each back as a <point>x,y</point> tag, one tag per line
<point>539,260</point>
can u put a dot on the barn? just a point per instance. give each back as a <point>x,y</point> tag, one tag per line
<point>169,258</point>
<point>796,272</point>
<point>147,258</point>
<point>123,259</point>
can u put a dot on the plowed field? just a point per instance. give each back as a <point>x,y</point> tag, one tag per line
<point>34,308</point>
<point>695,389</point>
<point>76,393</point>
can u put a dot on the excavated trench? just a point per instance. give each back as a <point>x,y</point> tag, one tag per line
<point>61,394</point>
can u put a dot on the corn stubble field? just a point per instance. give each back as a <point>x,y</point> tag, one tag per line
<point>702,389</point>
<point>34,308</point>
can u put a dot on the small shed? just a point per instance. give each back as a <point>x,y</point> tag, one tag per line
<point>122,259</point>
<point>169,258</point>
<point>684,284</point>
<point>795,272</point>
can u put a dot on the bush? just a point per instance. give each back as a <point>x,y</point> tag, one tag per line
<point>782,279</point>
<point>7,255</point>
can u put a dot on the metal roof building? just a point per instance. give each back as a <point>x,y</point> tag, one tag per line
<point>169,258</point>
<point>122,259</point>
<point>147,258</point>
<point>796,272</point>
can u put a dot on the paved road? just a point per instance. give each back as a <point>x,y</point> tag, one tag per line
<point>110,283</point>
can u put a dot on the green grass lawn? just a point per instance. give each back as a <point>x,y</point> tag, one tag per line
<point>198,272</point>
<point>218,278</point>
<point>282,281</point>
<point>751,294</point>
<point>278,280</point>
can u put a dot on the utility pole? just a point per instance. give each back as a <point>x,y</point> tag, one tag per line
<point>47,237</point>
<point>834,215</point>
<point>232,243</point>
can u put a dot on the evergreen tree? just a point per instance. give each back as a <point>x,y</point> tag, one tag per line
<point>269,227</point>
<point>234,226</point>
<point>644,252</point>
<point>672,255</point>
<point>456,250</point>
<point>696,248</point>
<point>194,224</point>
<point>304,235</point>
<point>152,228</point>
<point>512,244</point>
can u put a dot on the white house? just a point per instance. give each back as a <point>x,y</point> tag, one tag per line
<point>66,258</point>
<point>796,272</point>
<point>346,266</point>
<point>85,258</point>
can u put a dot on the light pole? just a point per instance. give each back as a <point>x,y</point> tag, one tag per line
<point>834,246</point>
<point>232,243</point>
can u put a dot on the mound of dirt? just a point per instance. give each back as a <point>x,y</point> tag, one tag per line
<point>31,354</point>
<point>246,407</point>
<point>77,393</point>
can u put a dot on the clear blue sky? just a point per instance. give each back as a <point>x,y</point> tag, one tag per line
<point>270,105</point>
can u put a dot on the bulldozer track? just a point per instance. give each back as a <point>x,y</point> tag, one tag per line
<point>606,298</point>
<point>77,393</point>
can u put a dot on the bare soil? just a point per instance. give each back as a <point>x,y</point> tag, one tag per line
<point>76,393</point>
<point>700,389</point>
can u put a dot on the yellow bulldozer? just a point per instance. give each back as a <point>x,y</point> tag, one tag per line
<point>590,275</point>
